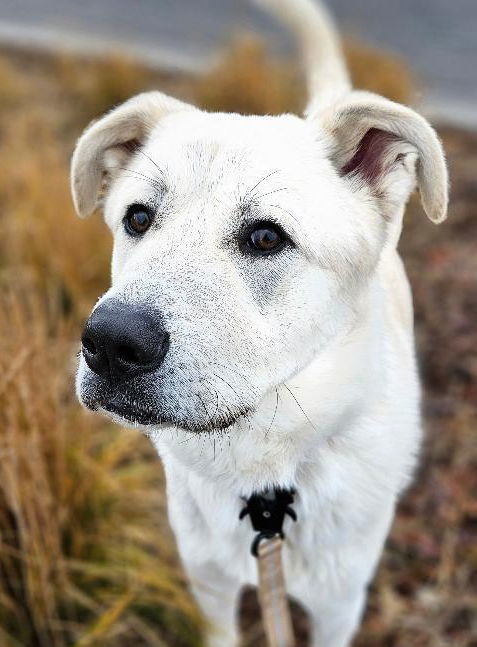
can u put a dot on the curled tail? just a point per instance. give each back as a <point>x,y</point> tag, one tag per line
<point>326,72</point>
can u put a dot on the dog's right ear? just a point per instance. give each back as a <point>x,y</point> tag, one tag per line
<point>106,145</point>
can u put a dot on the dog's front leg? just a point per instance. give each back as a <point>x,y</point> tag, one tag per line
<point>335,623</point>
<point>335,599</point>
<point>217,596</point>
<point>215,590</point>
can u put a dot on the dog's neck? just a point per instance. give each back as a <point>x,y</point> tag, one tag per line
<point>315,407</point>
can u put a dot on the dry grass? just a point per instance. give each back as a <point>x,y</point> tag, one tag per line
<point>86,557</point>
<point>80,504</point>
<point>247,81</point>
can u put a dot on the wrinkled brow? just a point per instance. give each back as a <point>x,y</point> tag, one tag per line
<point>259,201</point>
<point>155,176</point>
<point>253,198</point>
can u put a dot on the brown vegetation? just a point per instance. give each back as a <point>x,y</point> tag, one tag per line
<point>86,557</point>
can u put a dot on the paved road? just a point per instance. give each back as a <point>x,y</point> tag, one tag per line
<point>438,37</point>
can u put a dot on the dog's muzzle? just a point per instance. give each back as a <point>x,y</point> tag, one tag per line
<point>132,376</point>
<point>120,342</point>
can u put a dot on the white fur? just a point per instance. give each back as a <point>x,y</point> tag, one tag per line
<point>316,342</point>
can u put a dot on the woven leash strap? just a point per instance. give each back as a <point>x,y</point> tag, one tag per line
<point>272,593</point>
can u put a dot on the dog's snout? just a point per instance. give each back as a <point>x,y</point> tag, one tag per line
<point>120,341</point>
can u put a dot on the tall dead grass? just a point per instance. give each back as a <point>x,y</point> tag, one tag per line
<point>86,557</point>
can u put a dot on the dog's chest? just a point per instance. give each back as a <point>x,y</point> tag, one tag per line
<point>324,545</point>
<point>337,504</point>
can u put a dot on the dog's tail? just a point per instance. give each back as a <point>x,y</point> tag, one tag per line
<point>327,75</point>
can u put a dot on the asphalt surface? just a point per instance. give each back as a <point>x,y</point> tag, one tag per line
<point>437,37</point>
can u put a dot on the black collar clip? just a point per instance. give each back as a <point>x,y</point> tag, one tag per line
<point>267,512</point>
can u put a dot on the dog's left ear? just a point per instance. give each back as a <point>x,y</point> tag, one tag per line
<point>107,144</point>
<point>389,148</point>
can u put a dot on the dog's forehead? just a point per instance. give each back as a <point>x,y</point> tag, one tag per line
<point>223,142</point>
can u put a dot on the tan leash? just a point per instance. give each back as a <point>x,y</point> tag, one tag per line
<point>272,593</point>
<point>267,512</point>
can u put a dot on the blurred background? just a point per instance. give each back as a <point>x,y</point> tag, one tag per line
<point>86,555</point>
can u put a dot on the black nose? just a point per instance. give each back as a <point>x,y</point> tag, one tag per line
<point>121,341</point>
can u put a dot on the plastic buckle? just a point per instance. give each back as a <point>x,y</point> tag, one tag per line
<point>267,512</point>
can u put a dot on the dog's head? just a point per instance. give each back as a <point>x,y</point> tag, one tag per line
<point>242,246</point>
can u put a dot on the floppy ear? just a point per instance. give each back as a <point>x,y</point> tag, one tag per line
<point>390,148</point>
<point>107,144</point>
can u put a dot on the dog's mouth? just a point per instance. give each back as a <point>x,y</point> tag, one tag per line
<point>145,403</point>
<point>137,414</point>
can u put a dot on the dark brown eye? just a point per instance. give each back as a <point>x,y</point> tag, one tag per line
<point>266,237</point>
<point>138,219</point>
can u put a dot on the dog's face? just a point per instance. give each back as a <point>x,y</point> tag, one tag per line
<point>241,248</point>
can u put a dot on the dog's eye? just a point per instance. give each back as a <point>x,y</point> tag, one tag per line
<point>137,220</point>
<point>266,238</point>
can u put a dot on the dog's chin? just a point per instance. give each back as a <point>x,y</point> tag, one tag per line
<point>124,414</point>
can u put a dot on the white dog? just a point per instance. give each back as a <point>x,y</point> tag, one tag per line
<point>259,325</point>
